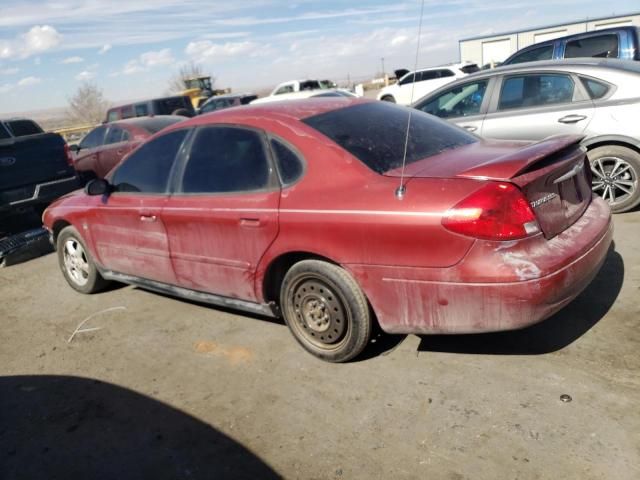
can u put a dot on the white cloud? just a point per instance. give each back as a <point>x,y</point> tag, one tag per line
<point>29,81</point>
<point>153,59</point>
<point>104,49</point>
<point>399,40</point>
<point>85,75</point>
<point>72,60</point>
<point>9,71</point>
<point>7,87</point>
<point>147,61</point>
<point>38,39</point>
<point>206,50</point>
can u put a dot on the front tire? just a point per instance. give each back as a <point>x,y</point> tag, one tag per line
<point>76,263</point>
<point>325,310</point>
<point>615,171</point>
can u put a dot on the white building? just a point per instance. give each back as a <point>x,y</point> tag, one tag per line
<point>496,48</point>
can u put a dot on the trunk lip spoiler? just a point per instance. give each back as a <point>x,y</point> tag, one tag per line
<point>522,159</point>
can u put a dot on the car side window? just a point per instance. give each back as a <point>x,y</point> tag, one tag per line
<point>535,91</point>
<point>127,112</point>
<point>595,89</point>
<point>603,46</point>
<point>147,170</point>
<point>142,110</point>
<point>284,89</point>
<point>225,159</point>
<point>208,107</point>
<point>535,54</point>
<point>460,101</point>
<point>407,79</point>
<point>446,73</point>
<point>290,165</point>
<point>428,75</point>
<point>113,115</point>
<point>94,139</point>
<point>114,135</point>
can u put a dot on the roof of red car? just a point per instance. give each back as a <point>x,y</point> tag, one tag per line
<point>292,109</point>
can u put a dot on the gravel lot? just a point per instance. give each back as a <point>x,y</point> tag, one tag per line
<point>170,389</point>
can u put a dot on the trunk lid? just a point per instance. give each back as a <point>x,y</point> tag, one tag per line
<point>553,174</point>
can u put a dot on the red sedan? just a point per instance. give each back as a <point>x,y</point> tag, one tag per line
<point>104,146</point>
<point>291,209</point>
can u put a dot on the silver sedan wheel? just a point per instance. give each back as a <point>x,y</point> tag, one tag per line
<point>75,262</point>
<point>613,179</point>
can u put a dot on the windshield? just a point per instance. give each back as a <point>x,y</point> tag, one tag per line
<point>375,133</point>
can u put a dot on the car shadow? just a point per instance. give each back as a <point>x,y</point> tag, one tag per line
<point>553,334</point>
<point>71,427</point>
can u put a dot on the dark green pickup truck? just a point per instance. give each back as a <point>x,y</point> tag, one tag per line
<point>35,168</point>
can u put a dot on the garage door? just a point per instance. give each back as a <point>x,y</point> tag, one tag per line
<point>496,50</point>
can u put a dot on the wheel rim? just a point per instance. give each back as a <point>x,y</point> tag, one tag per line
<point>75,262</point>
<point>319,312</point>
<point>614,179</point>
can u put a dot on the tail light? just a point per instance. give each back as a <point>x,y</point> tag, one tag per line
<point>67,154</point>
<point>497,211</point>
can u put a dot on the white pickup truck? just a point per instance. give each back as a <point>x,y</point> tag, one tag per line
<point>296,89</point>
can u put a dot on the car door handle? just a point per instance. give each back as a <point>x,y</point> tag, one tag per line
<point>250,222</point>
<point>148,218</point>
<point>469,128</point>
<point>572,119</point>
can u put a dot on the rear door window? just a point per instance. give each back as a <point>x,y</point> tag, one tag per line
<point>535,54</point>
<point>526,91</point>
<point>226,159</point>
<point>147,170</point>
<point>114,135</point>
<point>603,46</point>
<point>127,112</point>
<point>142,110</point>
<point>94,139</point>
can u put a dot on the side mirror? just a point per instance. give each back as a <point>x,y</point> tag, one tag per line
<point>75,148</point>
<point>97,186</point>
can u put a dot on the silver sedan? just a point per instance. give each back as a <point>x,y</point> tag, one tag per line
<point>597,98</point>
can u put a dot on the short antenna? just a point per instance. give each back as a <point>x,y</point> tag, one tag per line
<point>402,188</point>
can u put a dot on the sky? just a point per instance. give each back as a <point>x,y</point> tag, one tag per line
<point>130,48</point>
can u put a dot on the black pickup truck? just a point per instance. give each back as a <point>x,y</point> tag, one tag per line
<point>35,168</point>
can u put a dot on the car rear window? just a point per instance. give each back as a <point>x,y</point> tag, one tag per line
<point>247,99</point>
<point>22,128</point>
<point>468,69</point>
<point>375,133</point>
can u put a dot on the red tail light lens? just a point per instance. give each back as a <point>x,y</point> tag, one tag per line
<point>67,153</point>
<point>497,211</point>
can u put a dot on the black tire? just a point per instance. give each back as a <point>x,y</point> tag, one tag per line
<point>325,310</point>
<point>622,189</point>
<point>84,277</point>
<point>388,98</point>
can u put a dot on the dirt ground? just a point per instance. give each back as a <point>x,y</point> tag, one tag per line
<point>154,387</point>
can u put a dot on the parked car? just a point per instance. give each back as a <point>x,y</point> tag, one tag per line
<point>103,147</point>
<point>594,98</point>
<point>177,105</point>
<point>221,102</point>
<point>618,42</point>
<point>297,89</point>
<point>236,209</point>
<point>35,167</point>
<point>337,92</point>
<point>426,80</point>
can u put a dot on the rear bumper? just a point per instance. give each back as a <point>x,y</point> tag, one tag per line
<point>539,277</point>
<point>42,193</point>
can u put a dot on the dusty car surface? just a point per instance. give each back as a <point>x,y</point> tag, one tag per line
<point>595,98</point>
<point>290,209</point>
<point>103,147</point>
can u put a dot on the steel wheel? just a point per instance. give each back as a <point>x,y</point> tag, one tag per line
<point>75,262</point>
<point>321,315</point>
<point>614,179</point>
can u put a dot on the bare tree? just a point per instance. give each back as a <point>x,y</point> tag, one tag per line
<point>189,70</point>
<point>88,105</point>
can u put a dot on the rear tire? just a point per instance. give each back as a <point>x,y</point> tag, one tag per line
<point>616,174</point>
<point>76,263</point>
<point>388,98</point>
<point>325,310</point>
